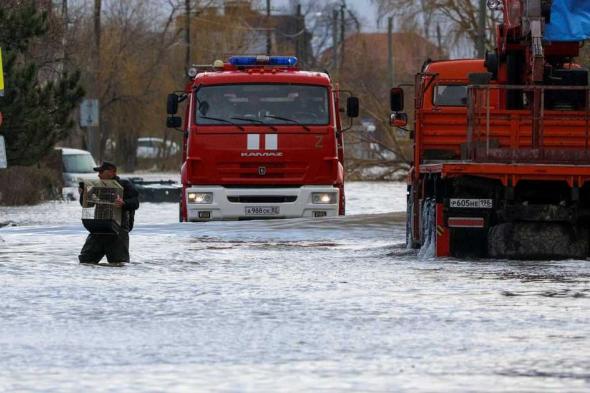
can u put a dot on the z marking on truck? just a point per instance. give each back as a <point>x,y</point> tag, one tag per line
<point>318,142</point>
<point>471,203</point>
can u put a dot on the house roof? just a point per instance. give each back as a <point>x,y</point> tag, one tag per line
<point>288,33</point>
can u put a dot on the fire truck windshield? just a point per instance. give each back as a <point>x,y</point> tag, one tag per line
<point>262,104</point>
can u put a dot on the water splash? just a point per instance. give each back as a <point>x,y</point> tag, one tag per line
<point>428,220</point>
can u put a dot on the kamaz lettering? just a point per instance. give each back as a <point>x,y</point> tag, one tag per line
<point>262,154</point>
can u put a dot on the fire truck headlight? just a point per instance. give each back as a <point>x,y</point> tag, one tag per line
<point>323,198</point>
<point>200,197</point>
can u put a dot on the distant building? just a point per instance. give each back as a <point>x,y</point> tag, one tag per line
<point>238,28</point>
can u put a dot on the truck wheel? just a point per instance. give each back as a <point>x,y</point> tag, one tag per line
<point>537,240</point>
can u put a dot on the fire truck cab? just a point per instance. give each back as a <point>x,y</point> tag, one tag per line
<point>262,139</point>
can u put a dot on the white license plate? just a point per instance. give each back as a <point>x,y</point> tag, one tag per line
<point>263,210</point>
<point>471,203</point>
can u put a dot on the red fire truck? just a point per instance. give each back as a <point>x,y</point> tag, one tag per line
<point>262,139</point>
<point>501,164</point>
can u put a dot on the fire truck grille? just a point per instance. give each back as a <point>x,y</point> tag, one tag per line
<point>254,165</point>
<point>257,176</point>
<point>292,171</point>
<point>262,198</point>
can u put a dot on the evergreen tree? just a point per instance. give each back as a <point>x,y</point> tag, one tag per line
<point>37,113</point>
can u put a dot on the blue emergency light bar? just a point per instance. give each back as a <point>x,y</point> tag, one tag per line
<point>242,61</point>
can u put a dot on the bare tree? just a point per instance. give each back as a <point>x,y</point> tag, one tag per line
<point>139,54</point>
<point>458,20</point>
<point>131,65</point>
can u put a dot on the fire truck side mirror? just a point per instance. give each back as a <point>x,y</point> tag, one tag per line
<point>173,121</point>
<point>172,104</point>
<point>396,99</point>
<point>352,107</point>
<point>398,119</point>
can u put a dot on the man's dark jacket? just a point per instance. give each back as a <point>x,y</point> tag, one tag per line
<point>131,202</point>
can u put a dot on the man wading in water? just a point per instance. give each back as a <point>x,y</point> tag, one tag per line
<point>116,247</point>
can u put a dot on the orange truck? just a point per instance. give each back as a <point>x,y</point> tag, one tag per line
<point>501,164</point>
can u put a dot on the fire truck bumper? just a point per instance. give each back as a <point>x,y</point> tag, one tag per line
<point>206,203</point>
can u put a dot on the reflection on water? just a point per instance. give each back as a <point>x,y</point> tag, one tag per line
<point>292,305</point>
<point>559,293</point>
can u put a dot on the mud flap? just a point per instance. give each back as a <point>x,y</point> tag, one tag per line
<point>411,227</point>
<point>442,233</point>
<point>537,240</point>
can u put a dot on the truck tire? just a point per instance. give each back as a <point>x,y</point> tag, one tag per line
<point>537,240</point>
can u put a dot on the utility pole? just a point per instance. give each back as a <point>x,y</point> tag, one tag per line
<point>426,15</point>
<point>268,30</point>
<point>64,40</point>
<point>342,35</point>
<point>300,44</point>
<point>439,40</point>
<point>97,31</point>
<point>481,41</point>
<point>187,34</point>
<point>390,70</point>
<point>335,39</point>
<point>94,132</point>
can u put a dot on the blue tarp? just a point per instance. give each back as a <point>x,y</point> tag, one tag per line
<point>570,21</point>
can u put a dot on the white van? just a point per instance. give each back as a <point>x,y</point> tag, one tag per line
<point>77,166</point>
<point>152,147</point>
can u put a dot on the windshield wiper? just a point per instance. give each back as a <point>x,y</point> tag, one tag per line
<point>255,121</point>
<point>247,119</point>
<point>291,120</point>
<point>222,120</point>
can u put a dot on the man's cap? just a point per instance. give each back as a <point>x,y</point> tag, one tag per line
<point>105,166</point>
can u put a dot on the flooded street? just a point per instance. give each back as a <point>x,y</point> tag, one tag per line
<point>333,305</point>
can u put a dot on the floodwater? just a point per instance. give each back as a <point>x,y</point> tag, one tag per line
<point>324,305</point>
